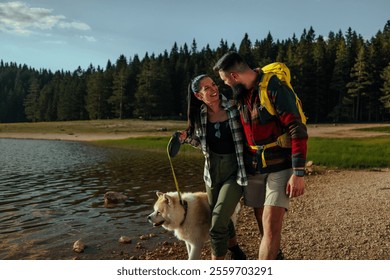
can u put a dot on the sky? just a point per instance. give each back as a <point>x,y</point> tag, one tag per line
<point>63,35</point>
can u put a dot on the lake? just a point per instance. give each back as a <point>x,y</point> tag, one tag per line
<point>51,194</point>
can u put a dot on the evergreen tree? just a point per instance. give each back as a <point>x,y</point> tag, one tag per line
<point>177,73</point>
<point>134,71</point>
<point>64,92</point>
<point>264,51</point>
<point>332,44</point>
<point>20,86</point>
<point>339,82</point>
<point>375,66</point>
<point>47,100</point>
<point>281,53</point>
<point>302,67</point>
<point>245,50</point>
<point>79,111</point>
<point>353,42</point>
<point>320,90</point>
<point>31,103</point>
<point>358,87</point>
<point>118,98</point>
<point>221,50</point>
<point>385,98</point>
<point>95,102</point>
<point>153,96</point>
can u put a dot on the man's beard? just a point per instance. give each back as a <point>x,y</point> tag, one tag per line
<point>239,91</point>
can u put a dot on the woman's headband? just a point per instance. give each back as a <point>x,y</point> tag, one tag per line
<point>195,83</point>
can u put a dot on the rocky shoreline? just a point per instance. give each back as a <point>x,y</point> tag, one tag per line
<point>343,215</point>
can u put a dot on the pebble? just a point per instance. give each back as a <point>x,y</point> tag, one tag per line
<point>112,197</point>
<point>78,246</point>
<point>125,239</point>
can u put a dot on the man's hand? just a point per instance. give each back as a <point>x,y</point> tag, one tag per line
<point>295,186</point>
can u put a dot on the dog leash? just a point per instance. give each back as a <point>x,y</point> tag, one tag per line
<point>173,172</point>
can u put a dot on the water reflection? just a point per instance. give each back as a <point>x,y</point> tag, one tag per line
<point>52,193</point>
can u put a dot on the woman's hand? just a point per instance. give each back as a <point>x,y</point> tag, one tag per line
<point>182,135</point>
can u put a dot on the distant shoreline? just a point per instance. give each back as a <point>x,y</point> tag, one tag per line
<point>79,137</point>
<point>96,130</point>
<point>87,131</point>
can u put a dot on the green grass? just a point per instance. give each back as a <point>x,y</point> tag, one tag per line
<point>341,152</point>
<point>350,152</point>
<point>94,126</point>
<point>385,129</point>
<point>150,143</point>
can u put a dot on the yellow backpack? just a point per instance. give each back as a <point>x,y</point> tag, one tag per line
<point>283,73</point>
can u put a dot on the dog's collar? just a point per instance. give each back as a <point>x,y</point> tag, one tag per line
<point>185,206</point>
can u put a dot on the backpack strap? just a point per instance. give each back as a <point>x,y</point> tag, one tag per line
<point>283,141</point>
<point>265,102</point>
<point>263,94</point>
<point>261,150</point>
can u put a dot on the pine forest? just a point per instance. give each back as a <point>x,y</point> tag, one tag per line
<point>339,78</point>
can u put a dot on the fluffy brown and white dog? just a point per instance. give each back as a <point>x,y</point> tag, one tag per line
<point>189,221</point>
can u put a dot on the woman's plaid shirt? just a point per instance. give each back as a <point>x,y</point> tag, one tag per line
<point>237,133</point>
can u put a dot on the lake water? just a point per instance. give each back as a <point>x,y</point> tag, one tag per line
<point>51,194</point>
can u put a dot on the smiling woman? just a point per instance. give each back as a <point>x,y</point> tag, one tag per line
<point>224,173</point>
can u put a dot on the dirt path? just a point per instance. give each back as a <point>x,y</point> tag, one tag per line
<point>344,130</point>
<point>342,215</point>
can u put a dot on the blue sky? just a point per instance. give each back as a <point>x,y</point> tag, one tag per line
<point>57,34</point>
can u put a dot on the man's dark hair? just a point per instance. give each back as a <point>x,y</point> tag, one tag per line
<point>229,61</point>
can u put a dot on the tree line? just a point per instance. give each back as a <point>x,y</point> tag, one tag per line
<point>340,78</point>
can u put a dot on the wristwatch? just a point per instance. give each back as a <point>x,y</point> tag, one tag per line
<point>299,172</point>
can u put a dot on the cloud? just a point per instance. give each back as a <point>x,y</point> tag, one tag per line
<point>18,17</point>
<point>88,38</point>
<point>75,25</point>
<point>55,42</point>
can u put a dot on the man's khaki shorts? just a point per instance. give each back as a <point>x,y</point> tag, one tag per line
<point>267,189</point>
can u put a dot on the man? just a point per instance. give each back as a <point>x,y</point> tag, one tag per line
<point>277,172</point>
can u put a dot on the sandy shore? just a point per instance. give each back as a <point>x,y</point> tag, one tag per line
<point>345,130</point>
<point>322,130</point>
<point>82,137</point>
<point>93,130</point>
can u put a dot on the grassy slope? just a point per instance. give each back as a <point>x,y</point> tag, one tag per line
<point>370,152</point>
<point>350,153</point>
<point>95,126</point>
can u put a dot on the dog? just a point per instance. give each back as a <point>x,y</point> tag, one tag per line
<point>189,221</point>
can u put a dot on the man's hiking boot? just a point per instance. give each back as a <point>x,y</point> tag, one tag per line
<point>280,255</point>
<point>237,254</point>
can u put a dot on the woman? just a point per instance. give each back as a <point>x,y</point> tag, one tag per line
<point>214,125</point>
